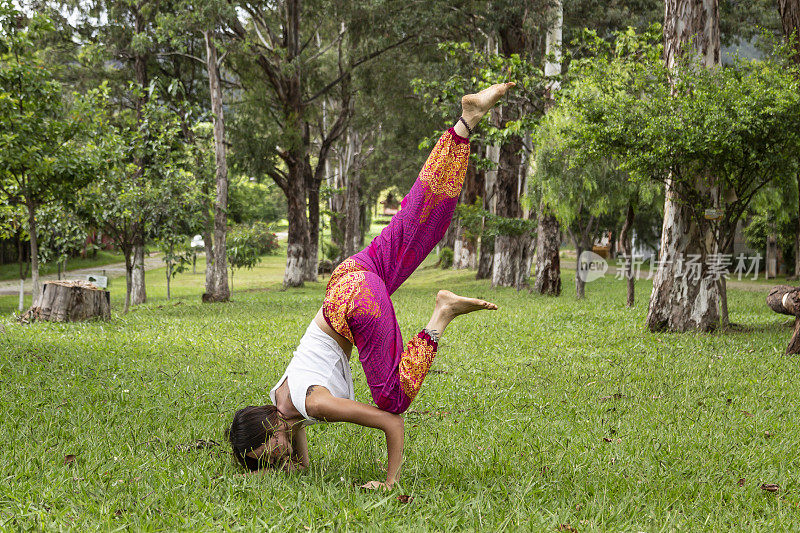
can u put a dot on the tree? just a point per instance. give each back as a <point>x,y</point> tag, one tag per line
<point>285,81</point>
<point>12,224</point>
<point>242,249</point>
<point>548,261</point>
<point>580,187</point>
<point>512,249</point>
<point>61,234</point>
<point>129,205</point>
<point>679,302</point>
<point>789,11</point>
<point>45,148</point>
<point>715,137</point>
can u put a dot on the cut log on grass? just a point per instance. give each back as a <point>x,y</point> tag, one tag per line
<point>69,301</point>
<point>785,299</point>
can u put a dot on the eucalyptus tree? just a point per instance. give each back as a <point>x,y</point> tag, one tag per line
<point>790,21</point>
<point>286,73</point>
<point>714,138</point>
<point>194,29</point>
<point>579,186</point>
<point>680,302</point>
<point>548,239</point>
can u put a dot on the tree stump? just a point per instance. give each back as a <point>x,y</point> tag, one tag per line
<point>69,301</point>
<point>785,300</point>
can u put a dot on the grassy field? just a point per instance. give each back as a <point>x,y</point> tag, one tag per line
<point>548,412</point>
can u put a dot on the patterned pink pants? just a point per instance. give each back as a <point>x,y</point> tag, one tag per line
<point>357,303</point>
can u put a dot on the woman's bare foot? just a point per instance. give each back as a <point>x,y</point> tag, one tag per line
<point>474,106</point>
<point>448,306</point>
<point>454,305</point>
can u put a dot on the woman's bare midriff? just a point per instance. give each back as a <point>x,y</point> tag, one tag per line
<point>283,399</point>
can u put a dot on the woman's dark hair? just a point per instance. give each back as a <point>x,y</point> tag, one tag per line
<point>251,427</point>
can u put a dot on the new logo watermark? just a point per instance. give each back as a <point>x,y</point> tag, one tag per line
<point>592,266</point>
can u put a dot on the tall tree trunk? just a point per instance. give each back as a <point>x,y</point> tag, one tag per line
<point>626,246</point>
<point>169,277</point>
<point>128,252</point>
<point>138,287</point>
<point>580,284</point>
<point>313,229</point>
<point>220,270</point>
<point>465,247</point>
<point>352,213</point>
<point>338,199</point>
<point>680,302</point>
<point>789,11</point>
<point>508,249</point>
<point>486,258</point>
<point>35,288</point>
<point>140,59</point>
<point>583,242</point>
<point>548,262</point>
<point>797,234</point>
<point>296,253</point>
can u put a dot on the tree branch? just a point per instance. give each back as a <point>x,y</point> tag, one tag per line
<point>353,66</point>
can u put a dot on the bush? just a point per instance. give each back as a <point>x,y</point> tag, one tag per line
<point>446,258</point>
<point>263,237</point>
<point>241,248</point>
<point>330,251</point>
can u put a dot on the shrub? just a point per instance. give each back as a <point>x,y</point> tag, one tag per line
<point>330,251</point>
<point>446,258</point>
<point>263,237</point>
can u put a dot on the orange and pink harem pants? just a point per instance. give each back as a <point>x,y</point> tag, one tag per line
<point>357,300</point>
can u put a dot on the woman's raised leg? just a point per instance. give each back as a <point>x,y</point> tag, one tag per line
<point>426,211</point>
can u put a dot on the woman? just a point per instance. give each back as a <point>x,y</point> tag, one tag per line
<point>317,385</point>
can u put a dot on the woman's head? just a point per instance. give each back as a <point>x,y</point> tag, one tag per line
<point>251,434</point>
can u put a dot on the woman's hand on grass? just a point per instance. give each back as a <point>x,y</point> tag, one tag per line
<point>375,485</point>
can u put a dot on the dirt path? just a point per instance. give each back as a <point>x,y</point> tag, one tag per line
<point>113,270</point>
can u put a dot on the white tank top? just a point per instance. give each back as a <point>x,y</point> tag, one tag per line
<point>318,360</point>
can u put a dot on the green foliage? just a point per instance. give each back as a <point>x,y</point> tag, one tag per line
<point>250,201</point>
<point>331,251</point>
<point>246,244</point>
<point>774,212</point>
<point>264,238</point>
<point>61,234</point>
<point>473,69</point>
<point>730,130</point>
<point>480,222</point>
<point>177,255</point>
<point>48,146</point>
<point>446,258</point>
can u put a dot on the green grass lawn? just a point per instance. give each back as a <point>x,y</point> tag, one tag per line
<point>547,412</point>
<point>11,271</point>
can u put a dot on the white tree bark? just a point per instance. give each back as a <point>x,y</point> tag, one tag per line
<point>682,300</point>
<point>34,249</point>
<point>220,260</point>
<point>138,288</point>
<point>548,262</point>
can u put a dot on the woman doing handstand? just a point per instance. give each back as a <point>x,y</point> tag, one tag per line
<point>357,310</point>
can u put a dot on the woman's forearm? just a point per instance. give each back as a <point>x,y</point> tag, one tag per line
<point>395,437</point>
